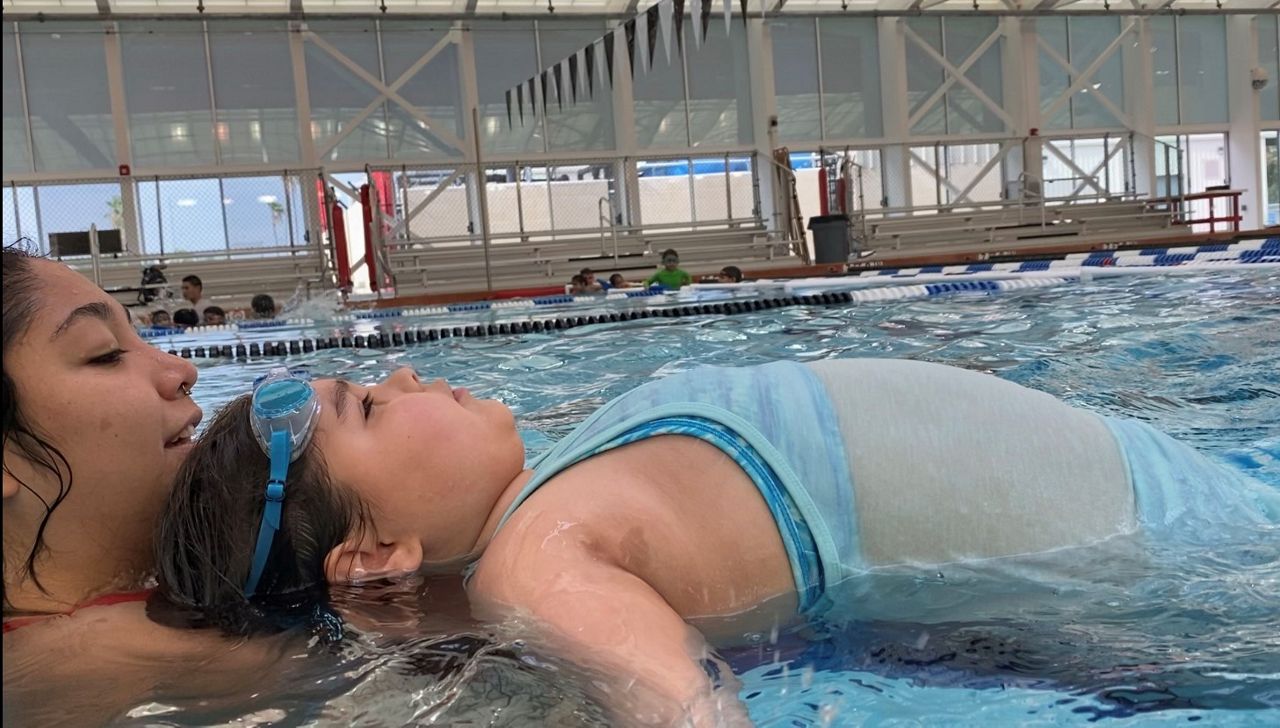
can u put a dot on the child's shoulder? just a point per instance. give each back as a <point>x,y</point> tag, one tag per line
<point>572,517</point>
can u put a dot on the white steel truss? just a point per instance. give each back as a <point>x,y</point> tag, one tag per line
<point>387,93</point>
<point>956,74</point>
<point>1081,78</point>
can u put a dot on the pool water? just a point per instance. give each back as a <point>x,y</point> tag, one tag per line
<point>1182,635</point>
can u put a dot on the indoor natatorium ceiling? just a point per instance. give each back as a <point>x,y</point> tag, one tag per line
<point>612,8</point>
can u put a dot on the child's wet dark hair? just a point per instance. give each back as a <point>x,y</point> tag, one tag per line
<point>209,527</point>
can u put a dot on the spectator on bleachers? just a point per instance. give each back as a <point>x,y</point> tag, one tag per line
<point>264,306</point>
<point>670,276</point>
<point>160,318</point>
<point>214,316</point>
<point>593,285</point>
<point>617,281</point>
<point>185,317</point>
<point>193,291</point>
<point>729,274</point>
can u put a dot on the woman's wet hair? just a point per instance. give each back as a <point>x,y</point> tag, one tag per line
<point>209,529</point>
<point>21,289</point>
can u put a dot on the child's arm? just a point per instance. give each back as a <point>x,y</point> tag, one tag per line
<point>608,620</point>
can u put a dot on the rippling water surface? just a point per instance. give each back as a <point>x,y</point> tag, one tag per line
<point>1184,635</point>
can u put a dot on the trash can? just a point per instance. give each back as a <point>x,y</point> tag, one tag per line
<point>830,238</point>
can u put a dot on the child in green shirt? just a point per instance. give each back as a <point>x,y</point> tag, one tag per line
<point>670,275</point>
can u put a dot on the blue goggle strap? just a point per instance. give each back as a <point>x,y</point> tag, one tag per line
<point>281,447</point>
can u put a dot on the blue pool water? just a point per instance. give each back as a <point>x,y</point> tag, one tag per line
<point>1184,635</point>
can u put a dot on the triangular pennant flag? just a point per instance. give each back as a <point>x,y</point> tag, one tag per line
<point>573,76</point>
<point>630,27</point>
<point>651,31</point>
<point>610,41</point>
<point>677,13</point>
<point>664,20</point>
<point>601,48</point>
<point>642,32</point>
<point>728,15</point>
<point>559,83</point>
<point>546,79</point>
<point>520,102</point>
<point>744,13</point>
<point>696,15</point>
<point>589,56</point>
<point>533,96</point>
<point>580,60</point>
<point>706,18</point>
<point>509,124</point>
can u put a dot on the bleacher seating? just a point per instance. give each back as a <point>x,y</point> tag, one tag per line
<point>999,225</point>
<point>459,265</point>
<point>231,278</point>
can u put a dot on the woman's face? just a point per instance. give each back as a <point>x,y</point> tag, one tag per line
<point>117,409</point>
<point>430,461</point>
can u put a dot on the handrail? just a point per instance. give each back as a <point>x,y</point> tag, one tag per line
<point>534,238</point>
<point>1023,176</point>
<point>792,173</point>
<point>995,205</point>
<point>95,254</point>
<point>600,203</point>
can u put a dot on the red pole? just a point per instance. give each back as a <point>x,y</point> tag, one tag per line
<point>367,221</point>
<point>823,208</point>
<point>388,203</point>
<point>324,220</point>
<point>338,233</point>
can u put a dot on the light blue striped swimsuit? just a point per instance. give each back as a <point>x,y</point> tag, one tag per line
<point>866,463</point>
<point>777,424</point>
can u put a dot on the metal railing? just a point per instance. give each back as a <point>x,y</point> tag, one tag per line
<point>611,219</point>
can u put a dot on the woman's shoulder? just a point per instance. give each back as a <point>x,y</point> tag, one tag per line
<point>117,656</point>
<point>113,631</point>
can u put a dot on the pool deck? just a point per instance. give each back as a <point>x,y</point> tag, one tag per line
<point>936,255</point>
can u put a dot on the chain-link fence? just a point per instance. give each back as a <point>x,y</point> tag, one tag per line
<point>57,217</point>
<point>698,191</point>
<point>157,216</point>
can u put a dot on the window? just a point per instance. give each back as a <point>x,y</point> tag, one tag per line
<point>795,79</point>
<point>17,156</point>
<point>851,106</point>
<point>166,85</point>
<point>586,120</point>
<point>253,92</point>
<point>69,103</point>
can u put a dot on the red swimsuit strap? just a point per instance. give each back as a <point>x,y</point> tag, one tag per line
<point>105,600</point>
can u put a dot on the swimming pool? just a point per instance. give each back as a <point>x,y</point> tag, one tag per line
<point>1186,636</point>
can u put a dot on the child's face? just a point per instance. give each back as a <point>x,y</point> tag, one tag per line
<point>671,262</point>
<point>429,461</point>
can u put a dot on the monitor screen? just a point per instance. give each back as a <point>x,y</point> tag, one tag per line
<point>62,245</point>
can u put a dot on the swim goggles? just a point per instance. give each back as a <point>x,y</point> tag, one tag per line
<point>283,413</point>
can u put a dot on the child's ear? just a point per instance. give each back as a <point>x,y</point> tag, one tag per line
<point>354,561</point>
